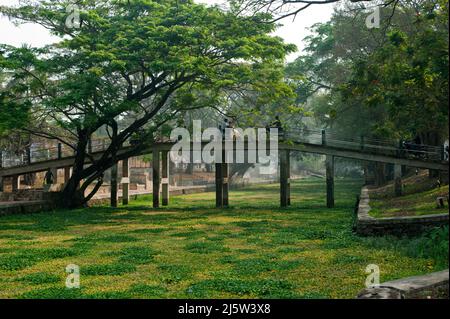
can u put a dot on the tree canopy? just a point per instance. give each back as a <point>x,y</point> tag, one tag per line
<point>390,82</point>
<point>144,60</point>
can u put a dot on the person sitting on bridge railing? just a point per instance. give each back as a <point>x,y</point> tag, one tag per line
<point>226,125</point>
<point>415,148</point>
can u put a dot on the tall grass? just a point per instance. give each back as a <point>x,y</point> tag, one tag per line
<point>432,244</point>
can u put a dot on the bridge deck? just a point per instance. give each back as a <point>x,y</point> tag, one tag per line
<point>365,155</point>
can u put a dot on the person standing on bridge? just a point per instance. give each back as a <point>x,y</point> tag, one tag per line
<point>49,178</point>
<point>226,125</point>
<point>277,124</point>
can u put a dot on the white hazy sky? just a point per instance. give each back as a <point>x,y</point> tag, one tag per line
<point>291,31</point>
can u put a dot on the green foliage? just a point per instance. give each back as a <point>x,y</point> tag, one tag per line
<point>24,258</point>
<point>205,247</point>
<point>136,255</point>
<point>393,79</point>
<point>52,293</point>
<point>255,266</point>
<point>148,291</point>
<point>13,115</point>
<point>107,269</point>
<point>254,249</point>
<point>119,238</point>
<point>129,56</point>
<point>39,278</point>
<point>257,288</point>
<point>149,231</point>
<point>173,273</point>
<point>131,70</point>
<point>432,245</point>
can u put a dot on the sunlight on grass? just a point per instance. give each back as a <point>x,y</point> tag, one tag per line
<point>417,204</point>
<point>193,250</point>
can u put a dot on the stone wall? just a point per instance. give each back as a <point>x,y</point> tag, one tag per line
<point>28,207</point>
<point>367,225</point>
<point>430,286</point>
<point>22,195</point>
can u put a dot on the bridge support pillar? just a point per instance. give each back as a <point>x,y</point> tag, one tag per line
<point>225,185</point>
<point>66,174</point>
<point>55,175</point>
<point>165,178</point>
<point>156,178</point>
<point>329,163</point>
<point>219,185</point>
<point>285,174</point>
<point>15,183</point>
<point>125,182</point>
<point>114,195</point>
<point>398,186</point>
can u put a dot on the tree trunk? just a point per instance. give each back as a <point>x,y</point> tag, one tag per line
<point>433,139</point>
<point>380,174</point>
<point>72,195</point>
<point>190,168</point>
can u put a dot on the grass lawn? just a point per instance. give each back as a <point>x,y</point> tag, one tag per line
<point>420,193</point>
<point>419,204</point>
<point>191,250</point>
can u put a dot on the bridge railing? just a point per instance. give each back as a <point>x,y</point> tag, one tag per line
<point>41,152</point>
<point>368,145</point>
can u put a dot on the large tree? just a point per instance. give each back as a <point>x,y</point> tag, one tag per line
<point>386,83</point>
<point>408,76</point>
<point>394,78</point>
<point>137,59</point>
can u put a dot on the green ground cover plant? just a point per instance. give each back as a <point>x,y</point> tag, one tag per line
<point>253,249</point>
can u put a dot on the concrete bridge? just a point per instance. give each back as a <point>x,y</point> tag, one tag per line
<point>318,142</point>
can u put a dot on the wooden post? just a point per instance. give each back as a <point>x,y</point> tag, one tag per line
<point>1,184</point>
<point>165,177</point>
<point>219,185</point>
<point>59,150</point>
<point>66,174</point>
<point>1,159</point>
<point>284,178</point>
<point>366,173</point>
<point>329,163</point>
<point>398,180</point>
<point>90,145</point>
<point>288,167</point>
<point>324,138</point>
<point>15,183</point>
<point>55,175</point>
<point>125,182</point>
<point>28,150</point>
<point>225,187</point>
<point>147,180</point>
<point>156,178</point>
<point>114,196</point>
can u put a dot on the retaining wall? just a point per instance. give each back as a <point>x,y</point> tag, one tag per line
<point>367,225</point>
<point>430,286</point>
